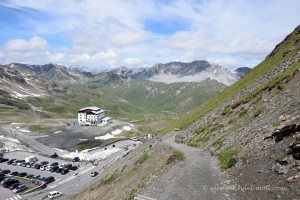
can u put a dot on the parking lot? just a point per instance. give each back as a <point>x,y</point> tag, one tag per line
<point>93,160</point>
<point>35,177</point>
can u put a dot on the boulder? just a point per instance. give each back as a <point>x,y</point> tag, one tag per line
<point>295,149</point>
<point>284,131</point>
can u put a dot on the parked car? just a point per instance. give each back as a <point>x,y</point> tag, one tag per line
<point>54,155</point>
<point>1,174</point>
<point>15,173</point>
<point>64,171</point>
<point>76,159</point>
<point>3,160</point>
<point>19,162</point>
<point>19,188</point>
<point>13,186</point>
<point>22,174</point>
<point>35,177</point>
<point>44,167</point>
<point>37,166</point>
<point>3,178</point>
<point>29,176</point>
<point>58,170</point>
<point>31,159</point>
<point>29,165</point>
<point>74,168</point>
<point>6,171</point>
<point>44,163</point>
<point>93,174</point>
<point>11,161</point>
<point>54,194</point>
<point>68,166</point>
<point>62,165</point>
<point>54,164</point>
<point>8,183</point>
<point>49,179</point>
<point>53,168</point>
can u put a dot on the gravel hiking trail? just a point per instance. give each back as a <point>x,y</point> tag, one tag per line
<point>190,179</point>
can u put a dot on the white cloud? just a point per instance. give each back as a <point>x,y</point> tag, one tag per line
<point>34,44</point>
<point>132,61</point>
<point>186,40</point>
<point>130,38</point>
<point>105,34</point>
<point>228,61</point>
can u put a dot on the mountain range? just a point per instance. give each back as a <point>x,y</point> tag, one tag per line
<point>174,72</point>
<point>156,88</point>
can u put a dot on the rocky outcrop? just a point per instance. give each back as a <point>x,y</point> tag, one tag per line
<point>285,131</point>
<point>295,147</point>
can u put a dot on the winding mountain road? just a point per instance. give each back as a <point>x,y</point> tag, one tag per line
<point>196,178</point>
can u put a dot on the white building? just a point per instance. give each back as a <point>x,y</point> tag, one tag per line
<point>106,120</point>
<point>90,116</point>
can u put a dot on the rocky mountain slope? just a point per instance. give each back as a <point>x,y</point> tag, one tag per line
<point>172,72</point>
<point>151,88</point>
<point>253,127</point>
<point>26,87</point>
<point>54,72</point>
<point>17,85</point>
<point>195,71</point>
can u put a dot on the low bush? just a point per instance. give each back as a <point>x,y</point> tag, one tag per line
<point>227,159</point>
<point>259,110</point>
<point>176,155</point>
<point>108,179</point>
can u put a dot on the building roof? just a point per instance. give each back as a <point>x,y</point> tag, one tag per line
<point>91,110</point>
<point>106,118</point>
<point>94,108</point>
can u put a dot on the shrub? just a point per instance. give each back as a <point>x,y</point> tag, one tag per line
<point>257,99</point>
<point>192,143</point>
<point>227,159</point>
<point>227,110</point>
<point>280,87</point>
<point>259,110</point>
<point>123,168</point>
<point>143,157</point>
<point>243,112</point>
<point>131,193</point>
<point>232,120</point>
<point>108,179</point>
<point>218,143</point>
<point>176,155</point>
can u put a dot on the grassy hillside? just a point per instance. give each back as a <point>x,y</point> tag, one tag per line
<point>67,105</point>
<point>283,51</point>
<point>154,97</point>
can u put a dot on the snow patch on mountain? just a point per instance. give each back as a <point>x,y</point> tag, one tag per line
<point>214,73</point>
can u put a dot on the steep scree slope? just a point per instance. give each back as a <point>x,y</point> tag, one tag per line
<point>253,127</point>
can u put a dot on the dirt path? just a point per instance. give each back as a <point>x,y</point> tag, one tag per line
<point>190,179</point>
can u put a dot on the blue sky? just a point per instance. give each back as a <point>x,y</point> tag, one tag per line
<point>102,34</point>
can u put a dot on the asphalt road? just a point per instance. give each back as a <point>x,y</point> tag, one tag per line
<point>30,141</point>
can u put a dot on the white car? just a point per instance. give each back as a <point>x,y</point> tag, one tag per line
<point>54,194</point>
<point>43,167</point>
<point>134,139</point>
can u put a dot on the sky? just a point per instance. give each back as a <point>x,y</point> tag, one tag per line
<point>102,35</point>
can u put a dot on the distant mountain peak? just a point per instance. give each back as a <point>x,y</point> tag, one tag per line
<point>196,71</point>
